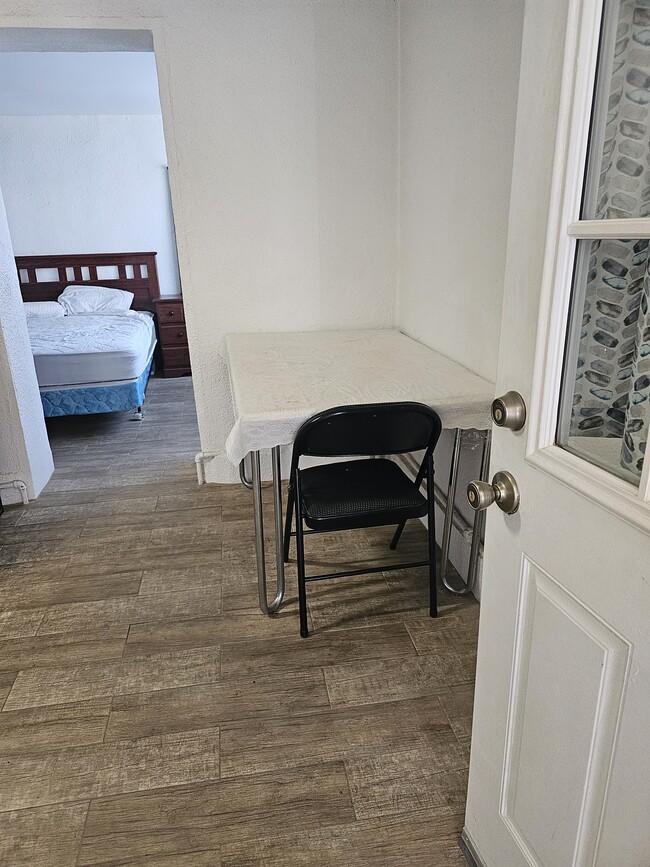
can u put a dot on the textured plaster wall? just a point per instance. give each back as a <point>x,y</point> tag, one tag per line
<point>459,72</point>
<point>24,448</point>
<point>88,184</point>
<point>458,99</point>
<point>286,177</point>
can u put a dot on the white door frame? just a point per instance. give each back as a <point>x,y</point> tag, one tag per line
<point>564,230</point>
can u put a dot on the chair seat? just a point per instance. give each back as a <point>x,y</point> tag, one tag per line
<point>353,494</point>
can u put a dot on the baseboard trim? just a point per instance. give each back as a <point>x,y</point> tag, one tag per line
<point>469,850</point>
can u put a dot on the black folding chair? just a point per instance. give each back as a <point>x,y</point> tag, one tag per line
<point>371,492</point>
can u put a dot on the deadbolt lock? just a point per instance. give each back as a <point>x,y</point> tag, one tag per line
<point>509,411</point>
<point>503,491</point>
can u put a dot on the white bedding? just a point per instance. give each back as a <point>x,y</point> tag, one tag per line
<point>88,348</point>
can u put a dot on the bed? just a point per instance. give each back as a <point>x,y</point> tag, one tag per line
<point>92,363</point>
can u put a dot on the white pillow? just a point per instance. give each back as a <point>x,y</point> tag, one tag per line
<point>44,309</point>
<point>94,299</point>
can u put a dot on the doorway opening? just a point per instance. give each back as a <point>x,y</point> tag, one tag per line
<point>86,190</point>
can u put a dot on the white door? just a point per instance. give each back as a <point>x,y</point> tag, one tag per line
<point>560,760</point>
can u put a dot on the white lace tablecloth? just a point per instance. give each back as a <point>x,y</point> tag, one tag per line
<point>279,380</point>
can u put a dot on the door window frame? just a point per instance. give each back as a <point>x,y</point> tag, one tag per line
<point>565,229</point>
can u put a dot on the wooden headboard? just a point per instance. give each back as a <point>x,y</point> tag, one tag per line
<point>43,278</point>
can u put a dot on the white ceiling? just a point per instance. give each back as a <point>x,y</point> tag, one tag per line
<point>78,82</point>
<point>73,39</point>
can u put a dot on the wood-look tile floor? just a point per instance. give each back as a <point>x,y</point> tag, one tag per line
<point>152,716</point>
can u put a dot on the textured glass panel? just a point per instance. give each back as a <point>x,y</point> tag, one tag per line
<point>605,407</point>
<point>617,180</point>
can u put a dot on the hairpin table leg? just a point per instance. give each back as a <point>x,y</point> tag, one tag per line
<point>242,475</point>
<point>279,529</point>
<point>266,607</point>
<point>449,507</point>
<point>479,517</point>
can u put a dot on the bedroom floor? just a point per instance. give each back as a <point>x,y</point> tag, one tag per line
<point>152,716</point>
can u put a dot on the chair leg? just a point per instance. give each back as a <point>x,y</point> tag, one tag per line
<point>400,527</point>
<point>300,559</point>
<point>431,519</point>
<point>287,525</point>
<point>396,537</point>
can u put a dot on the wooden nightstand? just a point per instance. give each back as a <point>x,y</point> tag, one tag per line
<point>172,336</point>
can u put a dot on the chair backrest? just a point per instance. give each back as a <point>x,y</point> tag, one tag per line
<point>368,429</point>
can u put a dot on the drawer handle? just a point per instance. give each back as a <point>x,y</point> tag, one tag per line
<point>180,334</point>
<point>171,312</point>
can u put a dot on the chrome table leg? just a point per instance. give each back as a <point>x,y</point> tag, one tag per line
<point>279,529</point>
<point>479,518</point>
<point>242,475</point>
<point>449,507</point>
<point>265,606</point>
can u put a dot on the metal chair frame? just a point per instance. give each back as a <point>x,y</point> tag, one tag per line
<point>294,502</point>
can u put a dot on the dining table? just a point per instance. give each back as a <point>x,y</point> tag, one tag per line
<point>280,379</point>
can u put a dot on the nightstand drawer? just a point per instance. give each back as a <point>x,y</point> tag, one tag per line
<point>173,355</point>
<point>176,356</point>
<point>170,311</point>
<point>173,335</point>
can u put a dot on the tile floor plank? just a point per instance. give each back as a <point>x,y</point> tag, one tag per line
<point>204,631</point>
<point>25,589</point>
<point>426,839</point>
<point>47,837</point>
<point>207,817</point>
<point>20,624</point>
<point>379,680</point>
<point>42,686</point>
<point>138,715</point>
<point>52,532</point>
<point>185,859</point>
<point>71,648</point>
<point>207,515</point>
<point>261,745</point>
<point>128,610</point>
<point>99,770</point>
<point>7,679</point>
<point>174,580</point>
<point>118,562</point>
<point>90,511</point>
<point>458,703</point>
<point>39,729</point>
<point>281,654</point>
<point>424,778</point>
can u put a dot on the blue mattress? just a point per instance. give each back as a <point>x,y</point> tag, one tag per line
<point>86,400</point>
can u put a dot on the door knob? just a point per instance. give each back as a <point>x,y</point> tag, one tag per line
<point>509,411</point>
<point>503,491</point>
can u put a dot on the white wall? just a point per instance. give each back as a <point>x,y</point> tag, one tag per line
<point>284,167</point>
<point>458,98</point>
<point>88,184</point>
<point>24,448</point>
<point>459,72</point>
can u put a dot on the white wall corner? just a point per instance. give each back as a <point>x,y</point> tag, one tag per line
<point>25,454</point>
<point>459,70</point>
